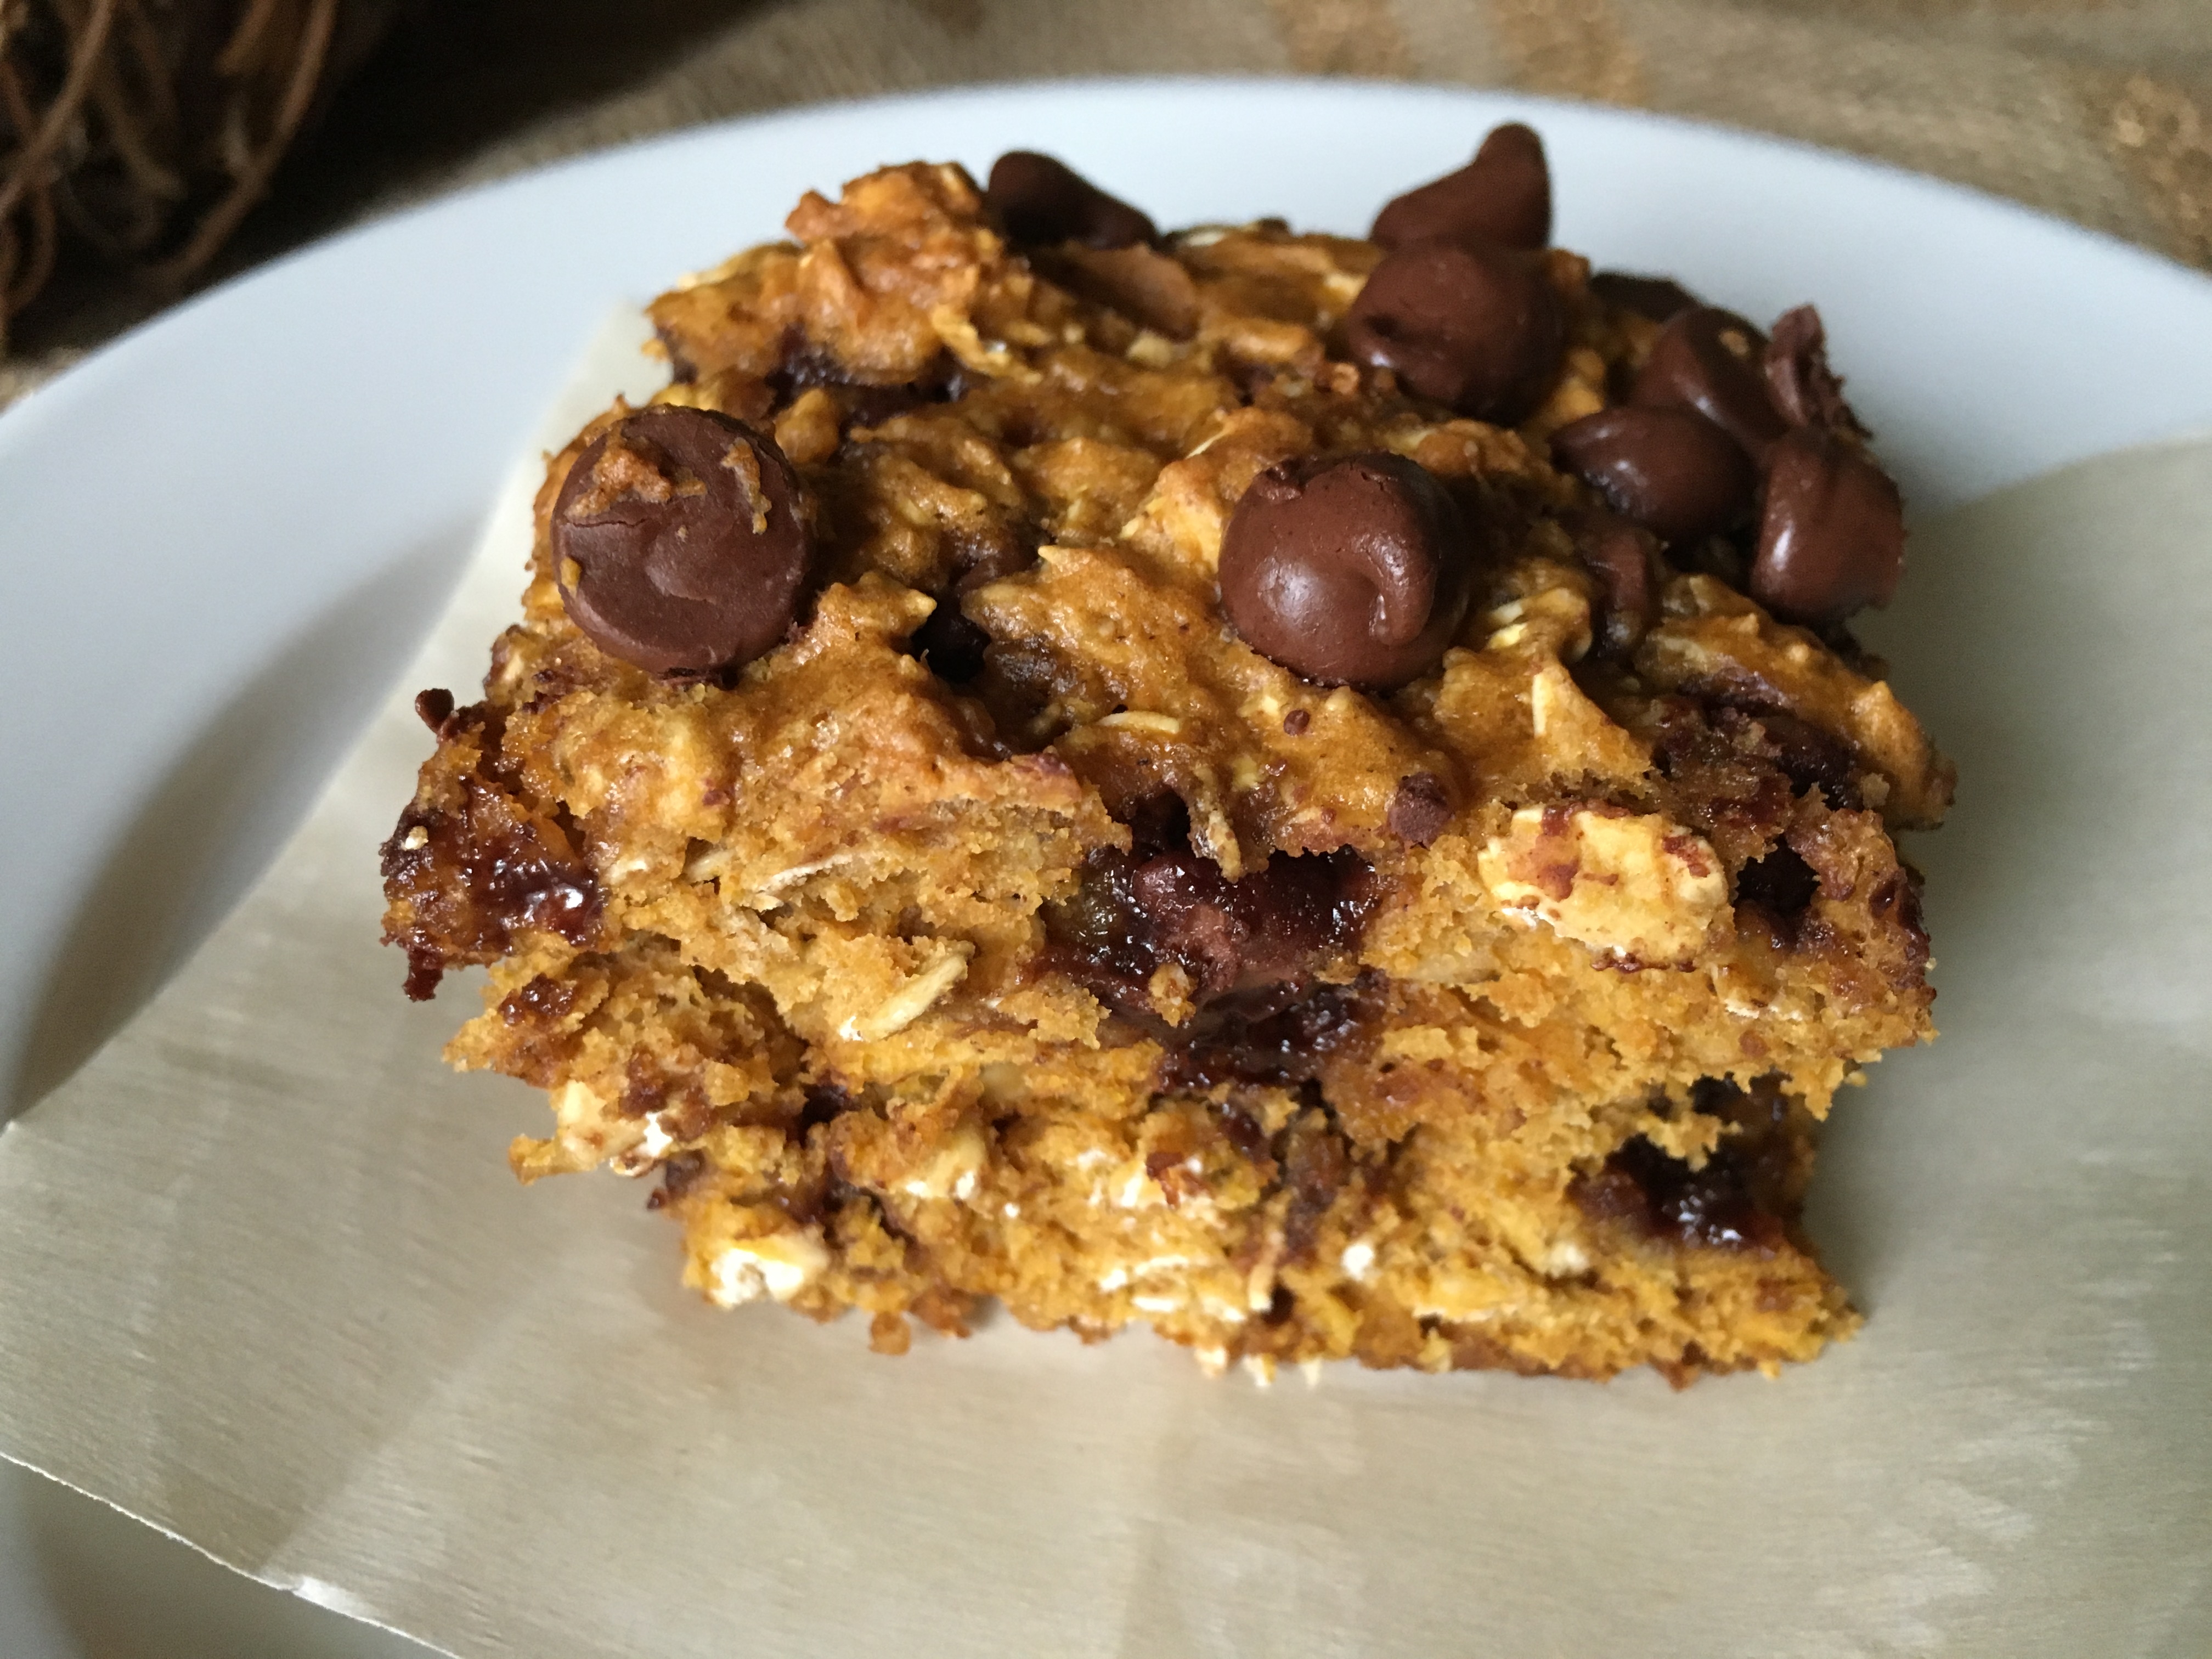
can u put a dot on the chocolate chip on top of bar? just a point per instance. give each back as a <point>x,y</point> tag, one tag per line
<point>1353,570</point>
<point>1315,794</point>
<point>679,541</point>
<point>1504,195</point>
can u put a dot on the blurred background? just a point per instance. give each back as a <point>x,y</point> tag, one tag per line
<point>150,147</point>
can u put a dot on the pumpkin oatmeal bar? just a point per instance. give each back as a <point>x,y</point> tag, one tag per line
<point>1312,792</point>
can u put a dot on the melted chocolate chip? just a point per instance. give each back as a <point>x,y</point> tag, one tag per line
<point>1659,298</point>
<point>1248,1136</point>
<point>1898,900</point>
<point>1504,195</point>
<point>1296,722</point>
<point>1420,807</point>
<point>1831,532</point>
<point>1806,390</point>
<point>949,644</point>
<point>1713,361</point>
<point>1808,757</point>
<point>1159,823</point>
<point>1746,1193</point>
<point>1724,788</point>
<point>1355,571</point>
<point>1255,939</point>
<point>541,1001</point>
<point>820,1104</point>
<point>861,402</point>
<point>1042,203</point>
<point>1716,1207</point>
<point>1782,884</point>
<point>998,547</point>
<point>1624,559</point>
<point>1264,1040</point>
<point>678,542</point>
<point>1670,470</point>
<point>645,1086</point>
<point>434,707</point>
<point>463,881</point>
<point>1475,325</point>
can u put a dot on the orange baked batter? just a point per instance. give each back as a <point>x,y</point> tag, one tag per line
<point>1514,995</point>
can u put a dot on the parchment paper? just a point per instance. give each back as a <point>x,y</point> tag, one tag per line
<point>265,1282</point>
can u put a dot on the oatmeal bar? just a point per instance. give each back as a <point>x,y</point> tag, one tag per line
<point>1313,793</point>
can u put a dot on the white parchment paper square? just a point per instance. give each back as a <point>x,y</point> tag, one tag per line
<point>265,1280</point>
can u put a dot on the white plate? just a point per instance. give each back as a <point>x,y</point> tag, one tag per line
<point>219,537</point>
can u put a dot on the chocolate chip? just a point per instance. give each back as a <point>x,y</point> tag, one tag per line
<point>998,546</point>
<point>678,543</point>
<point>1256,939</point>
<point>464,880</point>
<point>1245,1039</point>
<point>1831,534</point>
<point>950,645</point>
<point>1042,203</point>
<point>1142,283</point>
<point>1624,559</point>
<point>1420,807</point>
<point>1659,298</point>
<point>1670,470</point>
<point>1744,1198</point>
<point>1806,390</point>
<point>1808,757</point>
<point>1504,195</point>
<point>434,707</point>
<point>1159,822</point>
<point>1472,324</point>
<point>1780,882</point>
<point>802,365</point>
<point>1354,571</point>
<point>1295,723</point>
<point>1712,360</point>
<point>1721,1205</point>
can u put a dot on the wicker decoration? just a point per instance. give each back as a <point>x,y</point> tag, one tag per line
<point>143,129</point>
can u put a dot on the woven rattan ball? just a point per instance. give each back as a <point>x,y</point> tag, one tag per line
<point>141,130</point>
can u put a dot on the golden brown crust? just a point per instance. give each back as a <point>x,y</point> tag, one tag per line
<point>817,972</point>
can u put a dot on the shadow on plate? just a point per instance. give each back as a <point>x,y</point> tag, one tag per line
<point>219,817</point>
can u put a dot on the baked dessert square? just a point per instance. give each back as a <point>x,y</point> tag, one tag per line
<point>1313,793</point>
